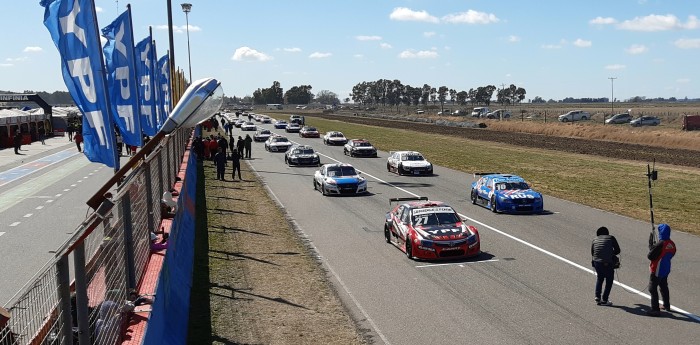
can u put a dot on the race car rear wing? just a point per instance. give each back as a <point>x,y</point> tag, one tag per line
<point>417,198</point>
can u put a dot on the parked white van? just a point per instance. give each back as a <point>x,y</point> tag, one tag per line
<point>480,111</point>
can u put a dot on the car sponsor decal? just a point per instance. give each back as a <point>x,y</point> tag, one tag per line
<point>433,210</point>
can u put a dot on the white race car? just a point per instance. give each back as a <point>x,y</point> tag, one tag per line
<point>277,143</point>
<point>408,163</point>
<point>334,138</point>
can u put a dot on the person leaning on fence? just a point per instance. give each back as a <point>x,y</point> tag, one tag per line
<point>604,250</point>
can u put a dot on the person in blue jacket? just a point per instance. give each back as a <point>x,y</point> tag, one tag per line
<point>660,255</point>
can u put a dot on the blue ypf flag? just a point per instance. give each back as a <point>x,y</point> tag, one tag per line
<point>121,78</point>
<point>73,28</point>
<point>144,72</point>
<point>164,82</point>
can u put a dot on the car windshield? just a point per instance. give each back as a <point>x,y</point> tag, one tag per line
<point>341,171</point>
<point>337,135</point>
<point>265,132</point>
<point>363,144</point>
<point>511,185</point>
<point>306,151</point>
<point>434,218</point>
<point>281,122</point>
<point>310,129</point>
<point>412,157</point>
<point>280,140</point>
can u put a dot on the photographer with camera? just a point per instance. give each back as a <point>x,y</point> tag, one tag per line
<point>604,250</point>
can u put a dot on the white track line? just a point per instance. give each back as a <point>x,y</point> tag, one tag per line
<point>541,250</point>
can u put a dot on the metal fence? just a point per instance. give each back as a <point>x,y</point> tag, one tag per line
<point>86,302</point>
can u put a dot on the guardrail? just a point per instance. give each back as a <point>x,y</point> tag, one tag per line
<point>86,302</point>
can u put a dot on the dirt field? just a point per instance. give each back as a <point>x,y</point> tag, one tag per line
<point>255,281</point>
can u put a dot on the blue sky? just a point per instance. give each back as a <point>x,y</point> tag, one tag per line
<point>554,49</point>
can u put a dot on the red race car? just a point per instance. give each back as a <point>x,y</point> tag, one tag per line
<point>430,230</point>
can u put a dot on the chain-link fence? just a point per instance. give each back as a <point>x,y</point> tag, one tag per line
<point>86,302</point>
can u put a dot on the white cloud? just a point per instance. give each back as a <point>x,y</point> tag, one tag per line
<point>423,54</point>
<point>358,56</point>
<point>292,50</point>
<point>615,67</point>
<point>513,39</point>
<point>471,17</point>
<point>368,38</point>
<point>318,55</point>
<point>429,34</point>
<point>657,22</point>
<point>21,58</point>
<point>385,45</point>
<point>6,65</point>
<point>99,9</point>
<point>407,14</point>
<point>249,54</point>
<point>683,80</point>
<point>582,43</point>
<point>687,43</point>
<point>179,29</point>
<point>32,49</point>
<point>602,20</point>
<point>636,49</point>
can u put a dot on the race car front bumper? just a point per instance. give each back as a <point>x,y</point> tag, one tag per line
<point>346,188</point>
<point>445,250</point>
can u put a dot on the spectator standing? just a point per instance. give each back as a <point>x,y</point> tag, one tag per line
<point>223,143</point>
<point>17,142</point>
<point>120,144</point>
<point>660,255</point>
<point>70,129</point>
<point>236,162</point>
<point>78,140</point>
<point>213,146</point>
<point>603,249</point>
<point>42,135</point>
<point>248,145</point>
<point>198,147</point>
<point>240,145</point>
<point>231,144</point>
<point>220,161</point>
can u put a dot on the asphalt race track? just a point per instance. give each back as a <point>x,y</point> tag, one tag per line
<point>533,284</point>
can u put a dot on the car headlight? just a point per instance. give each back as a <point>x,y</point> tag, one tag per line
<point>331,181</point>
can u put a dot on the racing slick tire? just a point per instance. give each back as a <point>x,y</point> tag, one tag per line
<point>399,169</point>
<point>387,233</point>
<point>473,197</point>
<point>345,152</point>
<point>409,248</point>
<point>315,184</point>
<point>493,204</point>
<point>564,120</point>
<point>388,167</point>
<point>323,190</point>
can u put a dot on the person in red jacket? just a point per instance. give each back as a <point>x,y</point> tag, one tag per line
<point>78,138</point>
<point>660,255</point>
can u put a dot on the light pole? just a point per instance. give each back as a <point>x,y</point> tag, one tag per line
<point>612,97</point>
<point>186,7</point>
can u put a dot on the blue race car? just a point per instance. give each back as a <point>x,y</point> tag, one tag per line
<point>506,193</point>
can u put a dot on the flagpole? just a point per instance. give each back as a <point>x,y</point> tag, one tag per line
<point>176,99</point>
<point>109,126</point>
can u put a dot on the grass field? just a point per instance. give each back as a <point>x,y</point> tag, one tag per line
<point>613,185</point>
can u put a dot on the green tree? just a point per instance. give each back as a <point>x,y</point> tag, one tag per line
<point>441,93</point>
<point>327,97</point>
<point>299,95</point>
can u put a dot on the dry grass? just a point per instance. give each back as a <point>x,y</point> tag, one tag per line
<point>262,285</point>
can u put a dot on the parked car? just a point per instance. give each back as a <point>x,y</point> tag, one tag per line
<point>359,147</point>
<point>309,132</point>
<point>575,115</point>
<point>646,121</point>
<point>280,124</point>
<point>408,163</point>
<point>619,118</point>
<point>302,155</point>
<point>293,127</point>
<point>480,111</point>
<point>277,143</point>
<point>429,230</point>
<point>340,179</point>
<point>498,114</point>
<point>334,138</point>
<point>249,126</point>
<point>262,135</point>
<point>420,111</point>
<point>445,112</point>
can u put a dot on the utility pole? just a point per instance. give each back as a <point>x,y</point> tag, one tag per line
<point>612,97</point>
